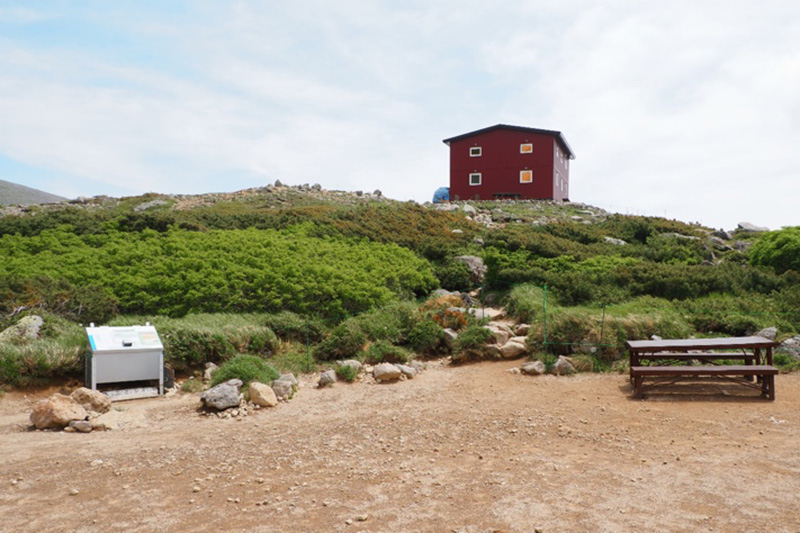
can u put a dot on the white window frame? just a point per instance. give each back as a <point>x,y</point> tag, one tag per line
<point>521,172</point>
<point>475,174</point>
<point>523,145</point>
<point>478,148</point>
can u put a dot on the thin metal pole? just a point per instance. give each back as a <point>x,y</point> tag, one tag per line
<point>603,324</point>
<point>308,351</point>
<point>544,305</point>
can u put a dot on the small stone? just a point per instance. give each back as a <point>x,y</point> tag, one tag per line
<point>195,489</point>
<point>349,521</point>
<point>362,518</point>
<point>74,492</point>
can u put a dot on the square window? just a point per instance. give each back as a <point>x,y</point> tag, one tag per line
<point>526,176</point>
<point>475,151</point>
<point>526,148</point>
<point>475,178</point>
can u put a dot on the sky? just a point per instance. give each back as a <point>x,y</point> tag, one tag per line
<point>683,109</point>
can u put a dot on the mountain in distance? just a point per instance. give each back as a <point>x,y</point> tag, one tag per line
<point>14,194</point>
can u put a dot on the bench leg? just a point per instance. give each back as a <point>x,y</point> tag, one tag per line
<point>768,387</point>
<point>637,387</point>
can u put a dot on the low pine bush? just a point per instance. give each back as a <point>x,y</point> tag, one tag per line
<point>347,373</point>
<point>384,352</point>
<point>246,367</point>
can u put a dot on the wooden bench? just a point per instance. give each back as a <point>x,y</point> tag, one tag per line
<point>765,374</point>
<point>748,358</point>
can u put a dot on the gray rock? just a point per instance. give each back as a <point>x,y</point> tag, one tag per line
<point>470,210</point>
<point>768,333</point>
<point>742,245</point>
<point>721,234</point>
<point>263,395</point>
<point>407,371</point>
<point>209,371</point>
<point>278,183</point>
<point>283,389</point>
<point>82,426</point>
<point>457,231</point>
<point>655,338</point>
<point>92,400</point>
<point>747,226</point>
<point>477,268</point>
<point>478,241</point>
<point>26,329</point>
<point>562,367</point>
<point>512,350</point>
<point>327,378</point>
<point>352,363</point>
<point>377,193</point>
<point>290,378</point>
<point>719,244</point>
<point>521,330</point>
<point>438,293</point>
<point>148,205</point>
<point>419,366</point>
<point>533,368</point>
<point>612,240</point>
<point>791,346</point>
<point>681,236</point>
<point>359,193</point>
<point>450,337</point>
<point>386,372</point>
<point>316,187</point>
<point>223,396</point>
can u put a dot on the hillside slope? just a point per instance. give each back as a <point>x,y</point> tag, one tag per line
<point>15,194</point>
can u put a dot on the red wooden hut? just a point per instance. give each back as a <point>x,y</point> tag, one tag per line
<point>505,161</point>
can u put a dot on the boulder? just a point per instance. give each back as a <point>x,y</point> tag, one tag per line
<point>327,378</point>
<point>742,245</point>
<point>26,329</point>
<point>263,395</point>
<point>209,371</point>
<point>512,350</point>
<point>223,396</point>
<point>500,333</point>
<point>386,372</point>
<point>283,389</point>
<point>450,337</point>
<point>470,210</point>
<point>768,333</point>
<point>581,363</point>
<point>792,347</point>
<point>477,268</point>
<point>407,371</point>
<point>352,363</point>
<point>290,378</point>
<point>533,368</point>
<point>81,426</point>
<point>521,330</point>
<point>419,366</point>
<point>612,240</point>
<point>57,411</point>
<point>562,367</point>
<point>721,234</point>
<point>747,226</point>
<point>92,400</point>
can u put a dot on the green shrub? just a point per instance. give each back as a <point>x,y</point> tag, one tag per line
<point>291,326</point>
<point>778,249</point>
<point>390,323</point>
<point>471,344</point>
<point>426,337</point>
<point>246,367</point>
<point>526,302</point>
<point>347,373</point>
<point>454,275</point>
<point>345,342</point>
<point>384,352</point>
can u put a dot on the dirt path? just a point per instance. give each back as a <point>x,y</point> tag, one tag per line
<point>466,449</point>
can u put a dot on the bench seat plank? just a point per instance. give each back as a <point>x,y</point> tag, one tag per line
<point>766,374</point>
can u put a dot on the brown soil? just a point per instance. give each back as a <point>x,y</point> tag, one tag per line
<point>465,449</point>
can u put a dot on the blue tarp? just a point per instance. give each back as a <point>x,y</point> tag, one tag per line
<point>442,194</point>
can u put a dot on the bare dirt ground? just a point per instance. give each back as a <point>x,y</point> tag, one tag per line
<point>466,449</point>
